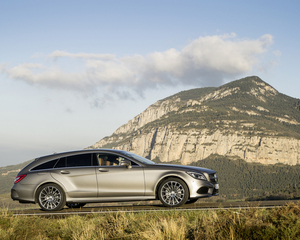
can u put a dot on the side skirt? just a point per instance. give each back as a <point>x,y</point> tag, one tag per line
<point>109,199</point>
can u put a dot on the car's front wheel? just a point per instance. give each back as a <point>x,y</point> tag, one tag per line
<point>173,192</point>
<point>51,197</point>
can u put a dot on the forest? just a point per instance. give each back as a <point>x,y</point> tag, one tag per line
<point>253,181</point>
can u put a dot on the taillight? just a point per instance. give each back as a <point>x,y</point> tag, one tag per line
<point>19,178</point>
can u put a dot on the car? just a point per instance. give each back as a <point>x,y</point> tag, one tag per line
<point>76,178</point>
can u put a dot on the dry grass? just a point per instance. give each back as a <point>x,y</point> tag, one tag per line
<point>278,223</point>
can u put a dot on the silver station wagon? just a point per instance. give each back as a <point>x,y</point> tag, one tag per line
<point>105,175</point>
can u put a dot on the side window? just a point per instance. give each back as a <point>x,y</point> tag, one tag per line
<point>61,163</point>
<point>95,159</point>
<point>79,160</point>
<point>133,163</point>
<point>46,165</point>
<point>110,160</point>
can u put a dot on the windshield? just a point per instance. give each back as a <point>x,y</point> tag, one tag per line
<point>139,158</point>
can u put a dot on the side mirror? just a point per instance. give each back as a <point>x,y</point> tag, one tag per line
<point>126,163</point>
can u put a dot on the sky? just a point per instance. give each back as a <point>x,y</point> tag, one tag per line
<point>72,72</point>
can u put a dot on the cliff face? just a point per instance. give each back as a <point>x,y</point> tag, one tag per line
<point>152,113</point>
<point>247,119</point>
<point>168,145</point>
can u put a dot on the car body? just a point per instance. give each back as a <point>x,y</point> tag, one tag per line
<point>107,175</point>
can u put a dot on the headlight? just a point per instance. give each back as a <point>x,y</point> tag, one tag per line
<point>197,175</point>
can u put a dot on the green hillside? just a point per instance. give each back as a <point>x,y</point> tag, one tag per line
<point>239,179</point>
<point>191,94</point>
<point>8,174</point>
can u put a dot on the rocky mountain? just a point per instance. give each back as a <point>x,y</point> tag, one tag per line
<point>246,118</point>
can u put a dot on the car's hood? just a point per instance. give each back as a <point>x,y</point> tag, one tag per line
<point>182,167</point>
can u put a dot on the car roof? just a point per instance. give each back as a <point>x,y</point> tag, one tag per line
<point>75,152</point>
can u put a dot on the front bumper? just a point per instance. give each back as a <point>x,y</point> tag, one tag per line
<point>200,189</point>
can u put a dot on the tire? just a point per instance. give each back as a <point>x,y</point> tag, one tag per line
<point>51,197</point>
<point>75,205</point>
<point>173,192</point>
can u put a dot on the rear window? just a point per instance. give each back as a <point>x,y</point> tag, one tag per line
<point>80,160</point>
<point>46,165</point>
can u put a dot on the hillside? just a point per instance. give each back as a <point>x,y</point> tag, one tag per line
<point>239,179</point>
<point>246,118</point>
<point>8,175</point>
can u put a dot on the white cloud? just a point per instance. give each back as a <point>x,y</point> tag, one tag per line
<point>46,76</point>
<point>206,61</point>
<point>59,54</point>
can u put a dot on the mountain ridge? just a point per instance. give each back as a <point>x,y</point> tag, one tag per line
<point>247,118</point>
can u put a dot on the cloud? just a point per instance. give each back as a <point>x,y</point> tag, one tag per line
<point>37,74</point>
<point>206,61</point>
<point>59,54</point>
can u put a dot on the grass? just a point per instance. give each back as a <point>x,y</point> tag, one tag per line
<point>277,223</point>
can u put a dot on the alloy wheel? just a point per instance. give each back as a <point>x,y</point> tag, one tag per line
<point>173,193</point>
<point>51,197</point>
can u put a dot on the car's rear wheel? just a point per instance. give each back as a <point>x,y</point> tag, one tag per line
<point>75,205</point>
<point>51,197</point>
<point>173,192</point>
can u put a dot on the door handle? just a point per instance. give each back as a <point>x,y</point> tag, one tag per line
<point>64,172</point>
<point>103,170</point>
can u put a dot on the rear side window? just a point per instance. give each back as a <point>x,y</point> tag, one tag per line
<point>46,165</point>
<point>61,163</point>
<point>79,160</point>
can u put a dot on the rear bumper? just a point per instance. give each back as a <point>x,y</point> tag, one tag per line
<point>14,195</point>
<point>22,194</point>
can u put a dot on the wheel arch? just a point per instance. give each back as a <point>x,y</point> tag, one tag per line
<point>165,178</point>
<point>43,184</point>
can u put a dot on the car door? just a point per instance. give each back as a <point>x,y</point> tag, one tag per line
<point>77,175</point>
<point>115,180</point>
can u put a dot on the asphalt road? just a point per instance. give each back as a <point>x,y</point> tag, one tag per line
<point>155,207</point>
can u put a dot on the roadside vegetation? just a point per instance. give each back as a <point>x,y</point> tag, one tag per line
<point>254,223</point>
